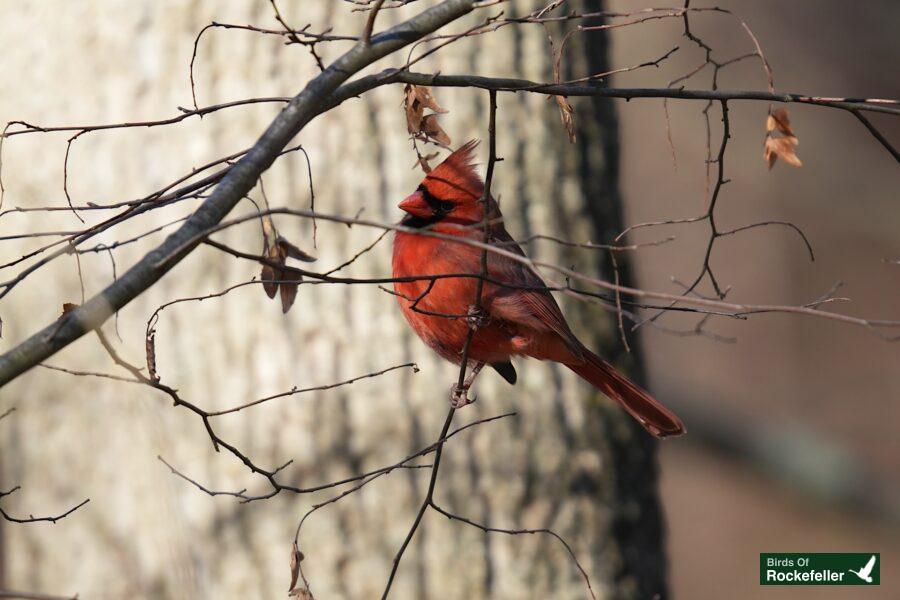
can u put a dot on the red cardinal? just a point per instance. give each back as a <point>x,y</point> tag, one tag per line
<point>520,318</point>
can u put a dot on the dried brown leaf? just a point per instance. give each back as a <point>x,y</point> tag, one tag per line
<point>275,279</point>
<point>423,95</point>
<point>781,140</point>
<point>288,295</point>
<point>786,151</point>
<point>423,162</point>
<point>414,121</point>
<point>269,281</point>
<point>769,154</point>
<point>296,559</point>
<point>432,129</point>
<point>414,110</point>
<point>272,252</point>
<point>272,275</point>
<point>417,99</point>
<point>567,114</point>
<point>269,232</point>
<point>68,307</point>
<point>290,250</point>
<point>783,148</point>
<point>781,122</point>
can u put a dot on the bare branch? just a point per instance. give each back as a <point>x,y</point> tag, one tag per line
<point>317,388</point>
<point>370,22</point>
<point>32,518</point>
<point>33,596</point>
<point>487,529</point>
<point>726,308</point>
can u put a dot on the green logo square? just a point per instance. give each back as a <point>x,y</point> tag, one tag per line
<point>820,568</point>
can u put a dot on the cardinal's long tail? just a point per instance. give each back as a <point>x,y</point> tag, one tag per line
<point>653,416</point>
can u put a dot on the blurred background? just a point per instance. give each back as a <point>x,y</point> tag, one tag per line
<point>799,447</point>
<point>792,442</point>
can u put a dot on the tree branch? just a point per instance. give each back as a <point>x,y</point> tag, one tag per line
<point>501,84</point>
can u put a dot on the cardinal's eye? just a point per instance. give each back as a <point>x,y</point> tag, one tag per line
<point>446,206</point>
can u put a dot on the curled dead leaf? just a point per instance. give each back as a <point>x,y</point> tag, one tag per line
<point>269,281</point>
<point>423,162</point>
<point>768,155</point>
<point>432,130</point>
<point>277,249</point>
<point>268,228</point>
<point>779,119</point>
<point>567,114</point>
<point>296,559</point>
<point>781,141</point>
<point>292,251</point>
<point>269,274</point>
<point>288,295</point>
<point>783,148</point>
<point>416,100</point>
<point>421,95</point>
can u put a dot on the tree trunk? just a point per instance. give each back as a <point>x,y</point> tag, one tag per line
<point>569,460</point>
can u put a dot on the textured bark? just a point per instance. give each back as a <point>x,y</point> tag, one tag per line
<point>638,533</point>
<point>569,461</point>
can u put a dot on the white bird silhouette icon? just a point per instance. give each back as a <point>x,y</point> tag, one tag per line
<point>866,572</point>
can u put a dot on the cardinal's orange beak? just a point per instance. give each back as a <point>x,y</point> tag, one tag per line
<point>415,205</point>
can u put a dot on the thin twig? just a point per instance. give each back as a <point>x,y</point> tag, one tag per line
<point>32,518</point>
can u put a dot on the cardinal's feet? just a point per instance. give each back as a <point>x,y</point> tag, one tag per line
<point>476,317</point>
<point>459,395</point>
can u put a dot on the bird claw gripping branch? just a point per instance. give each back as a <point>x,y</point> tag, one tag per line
<point>459,396</point>
<point>477,318</point>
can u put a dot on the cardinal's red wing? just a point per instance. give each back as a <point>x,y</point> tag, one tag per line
<point>525,301</point>
<point>514,293</point>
